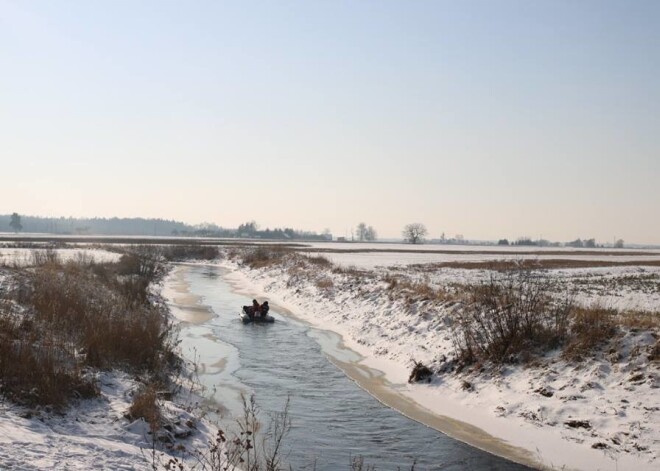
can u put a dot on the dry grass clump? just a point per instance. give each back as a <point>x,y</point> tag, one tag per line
<point>415,291</point>
<point>38,371</point>
<point>350,271</point>
<point>40,257</point>
<point>75,316</point>
<point>111,321</point>
<point>590,327</point>
<point>509,316</point>
<point>145,406</point>
<point>319,260</point>
<point>655,352</point>
<point>262,256</point>
<point>324,283</point>
<point>640,320</point>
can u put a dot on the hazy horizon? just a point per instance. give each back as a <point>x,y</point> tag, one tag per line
<point>487,119</point>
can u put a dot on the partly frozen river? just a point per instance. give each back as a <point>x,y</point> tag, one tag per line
<point>333,418</point>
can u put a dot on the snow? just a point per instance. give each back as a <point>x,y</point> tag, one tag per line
<point>92,434</point>
<point>620,406</point>
<point>95,433</point>
<point>526,407</point>
<point>382,247</point>
<point>373,255</point>
<point>23,257</point>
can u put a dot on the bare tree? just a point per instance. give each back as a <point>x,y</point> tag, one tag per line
<point>364,232</point>
<point>370,234</point>
<point>414,233</point>
<point>361,232</point>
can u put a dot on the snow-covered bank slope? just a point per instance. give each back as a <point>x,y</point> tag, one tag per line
<point>601,414</point>
<point>91,434</point>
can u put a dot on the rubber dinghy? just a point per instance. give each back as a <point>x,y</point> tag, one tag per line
<point>247,317</point>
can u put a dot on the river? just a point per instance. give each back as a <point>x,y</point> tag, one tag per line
<point>333,418</point>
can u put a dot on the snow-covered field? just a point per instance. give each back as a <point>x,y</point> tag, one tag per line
<point>25,257</point>
<point>369,256</point>
<point>599,414</point>
<point>382,247</point>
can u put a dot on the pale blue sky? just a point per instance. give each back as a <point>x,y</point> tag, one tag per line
<point>486,118</point>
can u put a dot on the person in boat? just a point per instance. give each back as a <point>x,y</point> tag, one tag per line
<point>264,309</point>
<point>256,309</point>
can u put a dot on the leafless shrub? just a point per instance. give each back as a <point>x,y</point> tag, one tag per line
<point>247,449</point>
<point>190,252</point>
<point>141,260</point>
<point>358,464</point>
<point>81,258</point>
<point>508,315</point>
<point>42,257</point>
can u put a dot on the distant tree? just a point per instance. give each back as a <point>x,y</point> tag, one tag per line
<point>414,233</point>
<point>577,243</point>
<point>590,243</point>
<point>364,232</point>
<point>15,223</point>
<point>503,242</point>
<point>361,232</point>
<point>248,229</point>
<point>618,244</point>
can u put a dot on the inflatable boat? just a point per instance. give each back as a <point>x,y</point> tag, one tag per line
<point>247,317</point>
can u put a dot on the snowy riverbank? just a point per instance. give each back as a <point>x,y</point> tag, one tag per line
<point>600,414</point>
<point>94,433</point>
<point>91,429</point>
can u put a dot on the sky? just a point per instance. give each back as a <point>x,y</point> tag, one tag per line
<point>490,119</point>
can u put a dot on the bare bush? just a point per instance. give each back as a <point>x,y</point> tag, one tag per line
<point>508,315</point>
<point>247,449</point>
<point>42,257</point>
<point>190,252</point>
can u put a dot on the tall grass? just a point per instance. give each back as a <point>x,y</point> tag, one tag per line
<point>260,257</point>
<point>78,315</point>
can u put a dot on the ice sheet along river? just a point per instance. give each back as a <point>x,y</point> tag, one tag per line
<point>333,419</point>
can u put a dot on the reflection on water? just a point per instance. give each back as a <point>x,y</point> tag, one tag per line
<point>333,419</point>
